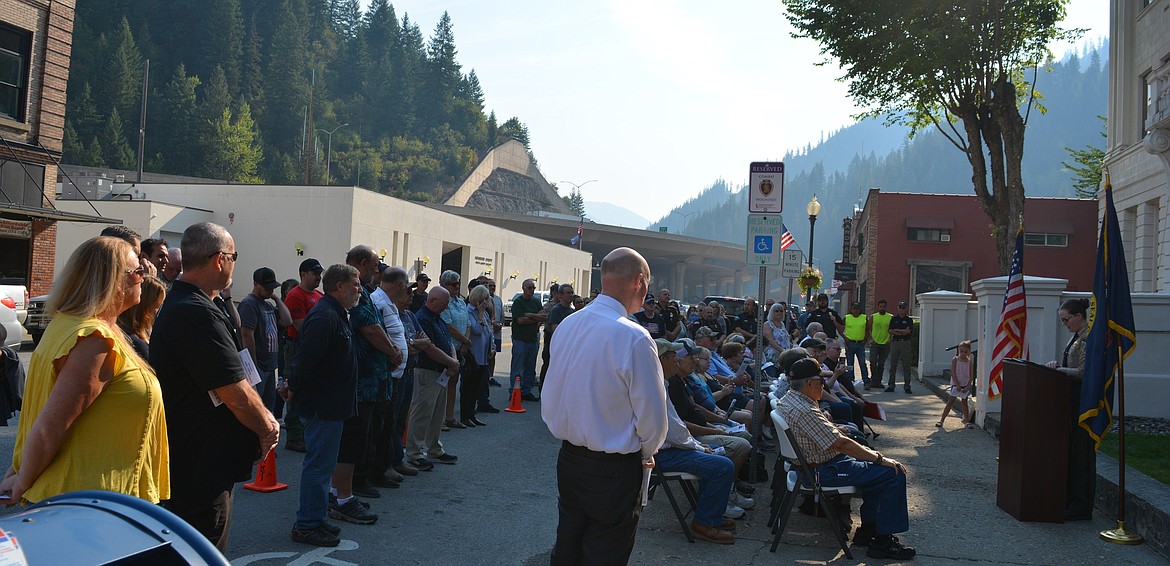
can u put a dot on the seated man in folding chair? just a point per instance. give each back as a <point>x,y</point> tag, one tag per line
<point>838,460</point>
<point>682,453</point>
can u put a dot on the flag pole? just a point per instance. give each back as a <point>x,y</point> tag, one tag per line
<point>1120,535</point>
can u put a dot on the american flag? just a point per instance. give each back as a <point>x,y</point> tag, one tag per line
<point>1010,337</point>
<point>576,237</point>
<point>786,238</point>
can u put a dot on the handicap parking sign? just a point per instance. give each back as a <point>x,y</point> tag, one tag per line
<point>763,244</point>
<point>763,239</point>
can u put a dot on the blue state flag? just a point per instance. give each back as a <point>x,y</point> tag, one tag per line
<point>1111,329</point>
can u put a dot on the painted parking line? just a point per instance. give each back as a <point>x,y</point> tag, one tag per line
<point>315,556</point>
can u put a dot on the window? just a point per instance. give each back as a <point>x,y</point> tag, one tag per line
<point>15,46</point>
<point>928,234</point>
<point>1041,239</point>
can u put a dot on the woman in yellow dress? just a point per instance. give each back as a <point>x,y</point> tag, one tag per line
<point>93,412</point>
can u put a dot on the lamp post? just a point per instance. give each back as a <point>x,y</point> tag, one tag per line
<point>329,150</point>
<point>813,209</point>
<point>686,218</point>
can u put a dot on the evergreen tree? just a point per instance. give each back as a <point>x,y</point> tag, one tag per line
<point>71,146</point>
<point>118,153</point>
<point>172,121</point>
<point>252,72</point>
<point>216,95</point>
<point>122,83</point>
<point>221,43</point>
<point>1087,167</point>
<point>443,73</point>
<point>576,202</point>
<point>82,114</point>
<point>287,80</point>
<point>513,129</point>
<point>232,151</point>
<point>92,154</point>
<point>347,18</point>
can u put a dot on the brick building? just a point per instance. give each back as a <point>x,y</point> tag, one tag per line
<point>905,244</point>
<point>35,42</point>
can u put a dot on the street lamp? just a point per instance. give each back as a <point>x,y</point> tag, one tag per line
<point>813,209</point>
<point>329,150</point>
<point>686,218</point>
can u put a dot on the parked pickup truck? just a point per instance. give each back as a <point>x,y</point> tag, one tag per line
<point>37,320</point>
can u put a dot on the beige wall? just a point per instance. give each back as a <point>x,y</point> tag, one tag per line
<point>267,221</point>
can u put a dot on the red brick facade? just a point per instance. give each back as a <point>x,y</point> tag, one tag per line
<point>51,25</point>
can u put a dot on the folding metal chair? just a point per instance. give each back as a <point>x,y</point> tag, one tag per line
<point>794,486</point>
<point>662,479</point>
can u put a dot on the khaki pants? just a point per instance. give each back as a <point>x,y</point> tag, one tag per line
<point>427,409</point>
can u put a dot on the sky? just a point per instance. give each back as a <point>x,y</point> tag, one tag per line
<point>644,103</point>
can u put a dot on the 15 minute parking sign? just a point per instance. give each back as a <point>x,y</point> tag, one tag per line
<point>766,190</point>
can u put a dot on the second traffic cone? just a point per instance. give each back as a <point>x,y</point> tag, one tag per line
<point>266,476</point>
<point>515,405</point>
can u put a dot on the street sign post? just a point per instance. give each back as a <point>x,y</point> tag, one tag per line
<point>763,239</point>
<point>792,263</point>
<point>766,187</point>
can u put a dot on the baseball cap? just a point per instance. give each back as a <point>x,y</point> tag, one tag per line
<point>804,369</point>
<point>382,266</point>
<point>705,332</point>
<point>812,343</point>
<point>902,304</point>
<point>665,346</point>
<point>650,299</point>
<point>688,347</point>
<point>265,277</point>
<point>311,265</point>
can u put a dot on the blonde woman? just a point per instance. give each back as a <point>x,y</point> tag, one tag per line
<point>93,410</point>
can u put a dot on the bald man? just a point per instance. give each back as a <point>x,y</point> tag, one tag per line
<point>430,385</point>
<point>604,398</point>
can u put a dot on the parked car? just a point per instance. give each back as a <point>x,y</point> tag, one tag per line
<point>13,288</point>
<point>37,320</point>
<point>13,332</point>
<point>542,295</point>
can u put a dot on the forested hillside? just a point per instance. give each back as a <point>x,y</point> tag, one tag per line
<point>231,83</point>
<point>842,169</point>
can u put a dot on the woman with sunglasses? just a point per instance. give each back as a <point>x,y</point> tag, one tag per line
<point>93,410</point>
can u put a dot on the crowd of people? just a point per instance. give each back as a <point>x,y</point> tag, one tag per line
<point>152,381</point>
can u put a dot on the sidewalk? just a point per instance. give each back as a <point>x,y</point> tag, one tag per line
<point>953,517</point>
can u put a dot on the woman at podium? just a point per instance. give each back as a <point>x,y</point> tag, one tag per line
<point>1082,455</point>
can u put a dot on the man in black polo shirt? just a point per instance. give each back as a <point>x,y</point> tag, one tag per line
<point>214,439</point>
<point>747,324</point>
<point>901,328</point>
<point>670,314</point>
<point>323,378</point>
<point>436,365</point>
<point>651,319</point>
<point>831,322</point>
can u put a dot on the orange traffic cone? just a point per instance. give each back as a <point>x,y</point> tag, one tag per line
<point>514,406</point>
<point>266,476</point>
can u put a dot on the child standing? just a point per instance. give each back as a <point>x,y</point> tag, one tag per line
<point>960,383</point>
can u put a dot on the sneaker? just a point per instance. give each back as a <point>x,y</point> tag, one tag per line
<point>907,390</point>
<point>889,547</point>
<point>745,488</point>
<point>890,389</point>
<point>741,501</point>
<point>712,534</point>
<point>733,512</point>
<point>395,476</point>
<point>333,503</point>
<point>353,512</point>
<point>487,409</point>
<point>492,382</point>
<point>405,469</point>
<point>330,528</point>
<point>422,464</point>
<point>445,459</point>
<point>317,536</point>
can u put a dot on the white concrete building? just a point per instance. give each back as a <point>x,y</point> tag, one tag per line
<point>278,226</point>
<point>1138,153</point>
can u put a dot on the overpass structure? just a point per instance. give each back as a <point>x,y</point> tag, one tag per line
<point>690,267</point>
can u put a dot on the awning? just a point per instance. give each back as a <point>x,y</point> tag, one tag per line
<point>53,214</point>
<point>929,222</point>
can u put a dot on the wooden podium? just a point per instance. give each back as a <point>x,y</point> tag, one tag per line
<point>1034,441</point>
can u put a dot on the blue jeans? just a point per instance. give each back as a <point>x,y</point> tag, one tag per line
<point>524,365</point>
<point>883,491</point>
<point>716,475</point>
<point>322,441</point>
<point>856,351</point>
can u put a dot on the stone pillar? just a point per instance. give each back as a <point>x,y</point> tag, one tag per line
<point>1044,298</point>
<point>737,283</point>
<point>944,317</point>
<point>678,281</point>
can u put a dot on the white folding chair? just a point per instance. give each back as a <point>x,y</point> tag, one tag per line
<point>794,486</point>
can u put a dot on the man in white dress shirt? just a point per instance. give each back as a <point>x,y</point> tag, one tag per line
<point>607,404</point>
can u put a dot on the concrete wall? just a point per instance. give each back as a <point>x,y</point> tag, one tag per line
<point>947,317</point>
<point>513,156</point>
<point>267,221</point>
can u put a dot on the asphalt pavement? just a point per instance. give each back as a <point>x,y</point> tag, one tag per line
<point>497,505</point>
